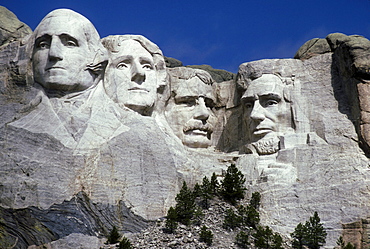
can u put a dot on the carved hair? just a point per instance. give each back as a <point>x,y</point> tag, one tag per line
<point>113,44</point>
<point>188,73</point>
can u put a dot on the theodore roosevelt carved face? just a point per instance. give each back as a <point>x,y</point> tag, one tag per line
<point>188,111</point>
<point>267,111</point>
<point>132,76</point>
<point>64,52</point>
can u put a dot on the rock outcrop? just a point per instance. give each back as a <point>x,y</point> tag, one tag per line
<point>11,28</point>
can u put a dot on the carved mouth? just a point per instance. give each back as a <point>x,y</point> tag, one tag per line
<point>199,130</point>
<point>138,89</point>
<point>54,67</point>
<point>261,131</point>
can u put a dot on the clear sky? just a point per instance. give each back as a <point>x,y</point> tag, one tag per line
<point>223,34</point>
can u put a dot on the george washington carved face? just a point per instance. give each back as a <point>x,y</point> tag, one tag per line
<point>65,43</point>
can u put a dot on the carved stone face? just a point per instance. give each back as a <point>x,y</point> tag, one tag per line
<point>266,111</point>
<point>132,76</point>
<point>61,53</point>
<point>189,113</point>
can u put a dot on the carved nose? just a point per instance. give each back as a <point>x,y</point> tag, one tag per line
<point>257,112</point>
<point>201,111</point>
<point>137,74</point>
<point>55,50</point>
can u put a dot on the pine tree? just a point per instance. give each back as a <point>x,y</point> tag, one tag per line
<point>171,222</point>
<point>312,234</point>
<point>231,220</point>
<point>206,192</point>
<point>299,235</point>
<point>242,239</point>
<point>206,236</point>
<point>255,200</point>
<point>265,238</point>
<point>249,216</point>
<point>114,236</point>
<point>316,234</point>
<point>214,184</point>
<point>125,244</point>
<point>343,245</point>
<point>185,206</point>
<point>232,186</point>
<point>197,191</point>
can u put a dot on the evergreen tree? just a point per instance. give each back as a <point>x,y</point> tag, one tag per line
<point>125,244</point>
<point>214,184</point>
<point>171,222</point>
<point>206,192</point>
<point>299,235</point>
<point>113,236</point>
<point>343,245</point>
<point>232,186</point>
<point>249,216</point>
<point>312,234</point>
<point>231,220</point>
<point>349,245</point>
<point>197,191</point>
<point>265,238</point>
<point>242,239</point>
<point>206,236</point>
<point>255,200</point>
<point>185,206</point>
<point>316,234</point>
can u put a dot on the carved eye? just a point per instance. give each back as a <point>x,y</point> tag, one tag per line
<point>209,103</point>
<point>187,102</point>
<point>121,65</point>
<point>147,66</point>
<point>271,102</point>
<point>248,105</point>
<point>43,45</point>
<point>71,43</point>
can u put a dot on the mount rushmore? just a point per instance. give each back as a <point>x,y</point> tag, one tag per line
<point>100,132</point>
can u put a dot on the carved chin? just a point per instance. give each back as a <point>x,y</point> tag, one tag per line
<point>195,140</point>
<point>267,146</point>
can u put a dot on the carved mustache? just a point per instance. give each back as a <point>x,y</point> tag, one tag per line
<point>198,126</point>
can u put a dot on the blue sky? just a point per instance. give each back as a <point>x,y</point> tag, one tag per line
<point>223,34</point>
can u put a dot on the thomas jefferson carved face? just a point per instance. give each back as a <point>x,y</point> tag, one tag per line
<point>189,114</point>
<point>61,51</point>
<point>132,76</point>
<point>266,110</point>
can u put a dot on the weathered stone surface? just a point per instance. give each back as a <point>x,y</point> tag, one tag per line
<point>11,28</point>
<point>300,177</point>
<point>75,240</point>
<point>218,75</point>
<point>311,48</point>
<point>172,62</point>
<point>352,62</point>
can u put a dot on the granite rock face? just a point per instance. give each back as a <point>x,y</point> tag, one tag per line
<point>77,157</point>
<point>11,28</point>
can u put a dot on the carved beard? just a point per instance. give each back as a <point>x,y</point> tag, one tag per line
<point>267,146</point>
